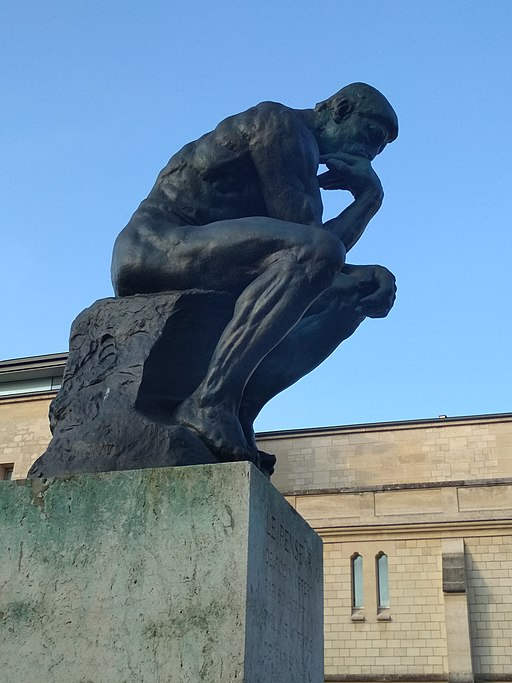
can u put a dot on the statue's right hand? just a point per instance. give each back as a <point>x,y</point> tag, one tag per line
<point>349,172</point>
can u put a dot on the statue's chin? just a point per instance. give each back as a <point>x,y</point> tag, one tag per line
<point>357,150</point>
<point>340,145</point>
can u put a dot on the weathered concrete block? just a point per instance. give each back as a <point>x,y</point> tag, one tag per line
<point>185,574</point>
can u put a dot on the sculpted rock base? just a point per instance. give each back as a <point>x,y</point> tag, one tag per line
<point>132,360</point>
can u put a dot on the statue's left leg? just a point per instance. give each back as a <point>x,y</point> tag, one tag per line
<point>331,319</point>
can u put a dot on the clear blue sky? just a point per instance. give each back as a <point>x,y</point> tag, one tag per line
<point>98,95</point>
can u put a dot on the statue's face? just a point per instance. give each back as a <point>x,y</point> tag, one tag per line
<point>358,120</point>
<point>367,134</point>
<point>362,134</point>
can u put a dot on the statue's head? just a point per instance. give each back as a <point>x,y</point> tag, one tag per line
<point>357,119</point>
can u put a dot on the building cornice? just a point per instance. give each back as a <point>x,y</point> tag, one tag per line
<point>377,488</point>
<point>16,369</point>
<point>29,397</point>
<point>416,530</point>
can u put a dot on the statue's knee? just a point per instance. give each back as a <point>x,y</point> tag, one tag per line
<point>124,265</point>
<point>123,279</point>
<point>327,253</point>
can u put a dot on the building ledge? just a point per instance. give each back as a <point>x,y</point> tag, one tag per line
<point>376,488</point>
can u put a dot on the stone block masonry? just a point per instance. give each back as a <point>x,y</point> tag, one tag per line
<point>187,574</point>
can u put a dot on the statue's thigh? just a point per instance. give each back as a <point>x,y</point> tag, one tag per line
<point>156,256</point>
<point>229,254</point>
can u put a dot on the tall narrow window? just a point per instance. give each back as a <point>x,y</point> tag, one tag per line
<point>6,472</point>
<point>382,581</point>
<point>357,581</point>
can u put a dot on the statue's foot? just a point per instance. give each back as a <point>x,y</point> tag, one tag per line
<point>266,462</point>
<point>218,429</point>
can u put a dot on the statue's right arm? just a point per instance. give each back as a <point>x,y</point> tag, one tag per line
<point>353,173</point>
<point>285,155</point>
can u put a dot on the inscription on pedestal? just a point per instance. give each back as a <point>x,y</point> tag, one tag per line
<point>289,583</point>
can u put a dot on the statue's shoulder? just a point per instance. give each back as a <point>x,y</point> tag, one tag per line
<point>258,112</point>
<point>272,109</point>
<point>269,116</point>
<point>263,118</point>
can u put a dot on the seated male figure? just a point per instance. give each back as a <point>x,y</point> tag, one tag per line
<point>239,210</point>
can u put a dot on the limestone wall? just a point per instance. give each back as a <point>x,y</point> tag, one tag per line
<point>490,603</point>
<point>396,453</point>
<point>412,639</point>
<point>449,553</point>
<point>24,431</point>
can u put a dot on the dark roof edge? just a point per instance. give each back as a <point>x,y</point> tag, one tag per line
<point>383,426</point>
<point>20,364</point>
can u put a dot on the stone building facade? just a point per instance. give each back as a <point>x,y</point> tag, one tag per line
<point>416,521</point>
<point>434,497</point>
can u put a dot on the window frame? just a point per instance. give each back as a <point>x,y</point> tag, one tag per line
<point>6,471</point>
<point>382,586</point>
<point>357,586</point>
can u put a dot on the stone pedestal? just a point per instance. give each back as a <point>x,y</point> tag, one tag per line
<point>184,574</point>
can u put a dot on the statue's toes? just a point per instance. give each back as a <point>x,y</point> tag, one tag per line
<point>265,462</point>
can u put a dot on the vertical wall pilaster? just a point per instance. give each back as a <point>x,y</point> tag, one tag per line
<point>458,639</point>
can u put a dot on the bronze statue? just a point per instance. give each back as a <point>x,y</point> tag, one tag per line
<point>240,211</point>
